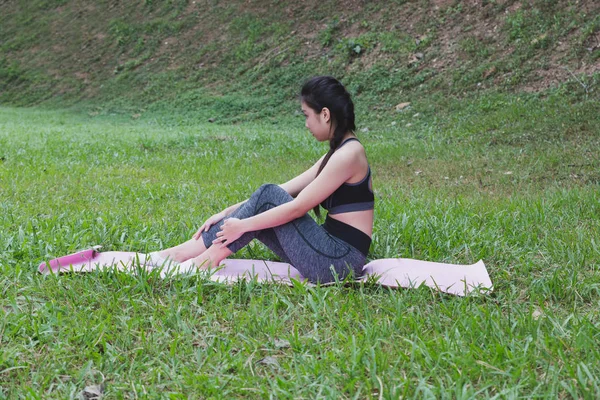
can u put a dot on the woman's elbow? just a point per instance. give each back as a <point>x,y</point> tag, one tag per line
<point>298,210</point>
<point>288,189</point>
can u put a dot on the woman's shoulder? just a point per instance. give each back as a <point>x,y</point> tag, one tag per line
<point>351,157</point>
<point>352,149</point>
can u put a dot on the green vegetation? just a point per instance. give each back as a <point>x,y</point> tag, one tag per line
<point>237,62</point>
<point>495,158</point>
<point>511,180</point>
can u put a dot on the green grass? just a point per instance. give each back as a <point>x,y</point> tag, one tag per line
<point>473,169</point>
<point>226,58</point>
<point>512,180</point>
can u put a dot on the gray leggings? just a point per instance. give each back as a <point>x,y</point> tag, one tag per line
<point>303,243</point>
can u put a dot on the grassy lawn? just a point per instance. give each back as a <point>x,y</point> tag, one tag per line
<point>512,180</point>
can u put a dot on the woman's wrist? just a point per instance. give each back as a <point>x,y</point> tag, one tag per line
<point>246,224</point>
<point>228,211</point>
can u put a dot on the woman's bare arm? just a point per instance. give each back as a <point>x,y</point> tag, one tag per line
<point>297,184</point>
<point>340,168</point>
<point>293,187</point>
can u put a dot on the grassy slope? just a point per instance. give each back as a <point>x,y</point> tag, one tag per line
<point>238,61</point>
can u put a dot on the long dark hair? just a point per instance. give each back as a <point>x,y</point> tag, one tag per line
<point>327,92</point>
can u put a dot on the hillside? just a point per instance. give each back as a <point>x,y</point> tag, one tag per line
<point>241,60</point>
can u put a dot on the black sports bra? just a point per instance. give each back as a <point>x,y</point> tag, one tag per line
<point>351,196</point>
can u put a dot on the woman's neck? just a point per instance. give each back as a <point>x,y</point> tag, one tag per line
<point>349,135</point>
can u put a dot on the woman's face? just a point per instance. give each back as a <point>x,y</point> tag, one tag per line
<point>319,124</point>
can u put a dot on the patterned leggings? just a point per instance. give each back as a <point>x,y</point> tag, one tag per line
<point>316,254</point>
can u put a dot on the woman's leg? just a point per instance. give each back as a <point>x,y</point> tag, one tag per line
<point>203,254</point>
<point>301,242</point>
<point>185,251</point>
<point>211,258</point>
<point>316,254</point>
<point>193,249</point>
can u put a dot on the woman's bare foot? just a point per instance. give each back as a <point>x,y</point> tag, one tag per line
<point>211,258</point>
<point>183,252</point>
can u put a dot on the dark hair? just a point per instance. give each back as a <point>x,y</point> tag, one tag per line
<point>327,92</point>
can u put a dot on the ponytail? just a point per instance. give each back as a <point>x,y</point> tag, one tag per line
<point>327,92</point>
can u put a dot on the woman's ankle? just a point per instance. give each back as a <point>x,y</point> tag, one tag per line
<point>169,254</point>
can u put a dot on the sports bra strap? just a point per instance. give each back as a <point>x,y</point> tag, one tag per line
<point>346,141</point>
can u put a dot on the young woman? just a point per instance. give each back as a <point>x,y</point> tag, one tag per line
<point>277,215</point>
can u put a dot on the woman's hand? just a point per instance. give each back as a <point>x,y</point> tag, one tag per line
<point>208,223</point>
<point>231,230</point>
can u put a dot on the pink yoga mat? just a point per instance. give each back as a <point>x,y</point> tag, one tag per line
<point>390,272</point>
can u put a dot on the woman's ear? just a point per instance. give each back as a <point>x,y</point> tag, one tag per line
<point>326,115</point>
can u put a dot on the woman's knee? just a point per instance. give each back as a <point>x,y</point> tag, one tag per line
<point>270,195</point>
<point>271,189</point>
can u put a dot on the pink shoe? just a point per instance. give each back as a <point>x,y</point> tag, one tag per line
<point>71,259</point>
